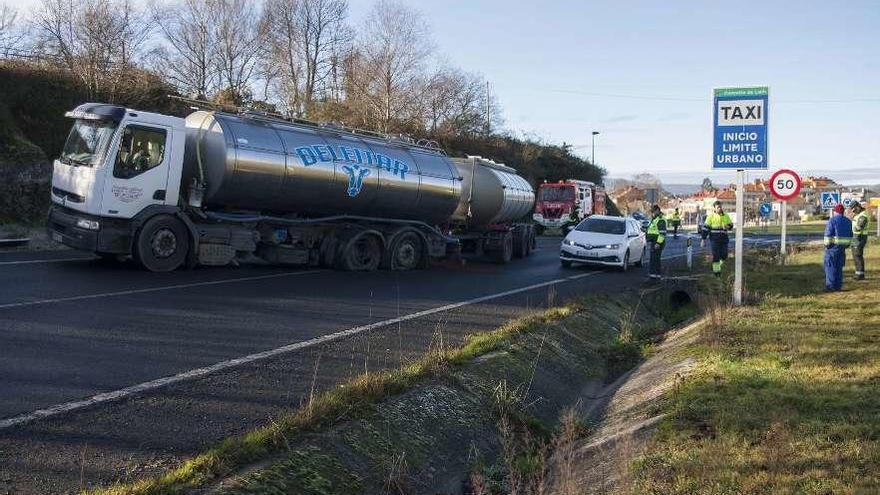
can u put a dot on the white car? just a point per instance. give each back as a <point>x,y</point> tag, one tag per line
<point>604,240</point>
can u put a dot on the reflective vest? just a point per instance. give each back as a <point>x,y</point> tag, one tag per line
<point>718,224</point>
<point>855,224</point>
<point>676,218</point>
<point>656,230</point>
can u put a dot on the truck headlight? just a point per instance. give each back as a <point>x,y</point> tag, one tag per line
<point>88,224</point>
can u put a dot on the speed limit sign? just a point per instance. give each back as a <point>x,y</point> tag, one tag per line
<point>785,184</point>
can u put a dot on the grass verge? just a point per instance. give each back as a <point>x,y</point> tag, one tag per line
<point>785,396</point>
<point>817,228</point>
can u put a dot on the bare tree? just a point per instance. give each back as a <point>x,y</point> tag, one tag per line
<point>97,40</point>
<point>9,34</point>
<point>186,55</point>
<point>455,103</point>
<point>237,40</point>
<point>387,72</point>
<point>305,38</point>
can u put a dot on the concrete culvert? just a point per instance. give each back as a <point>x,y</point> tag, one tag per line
<point>679,299</point>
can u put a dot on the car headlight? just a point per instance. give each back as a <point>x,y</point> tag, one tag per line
<point>568,242</point>
<point>88,224</point>
<point>612,246</point>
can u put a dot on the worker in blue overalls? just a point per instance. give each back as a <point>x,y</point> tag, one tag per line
<point>838,238</point>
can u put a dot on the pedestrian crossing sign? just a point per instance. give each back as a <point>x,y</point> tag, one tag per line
<point>830,200</point>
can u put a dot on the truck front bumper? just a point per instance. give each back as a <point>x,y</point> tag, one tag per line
<point>111,236</point>
<point>550,223</point>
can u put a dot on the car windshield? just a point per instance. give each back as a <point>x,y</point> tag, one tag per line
<point>86,142</point>
<point>559,193</point>
<point>602,226</point>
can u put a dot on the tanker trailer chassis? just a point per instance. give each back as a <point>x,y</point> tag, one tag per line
<point>217,187</point>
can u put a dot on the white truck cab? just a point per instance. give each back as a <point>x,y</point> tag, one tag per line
<point>116,164</point>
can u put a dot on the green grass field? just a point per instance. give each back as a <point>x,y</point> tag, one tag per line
<point>786,396</point>
<point>792,228</point>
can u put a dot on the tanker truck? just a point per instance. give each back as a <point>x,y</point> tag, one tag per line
<point>219,186</point>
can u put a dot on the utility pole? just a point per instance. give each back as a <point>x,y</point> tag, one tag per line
<point>488,119</point>
<point>593,153</point>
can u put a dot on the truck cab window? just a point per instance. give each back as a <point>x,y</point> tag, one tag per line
<point>140,149</point>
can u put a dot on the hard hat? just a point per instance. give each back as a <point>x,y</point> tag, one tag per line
<point>838,208</point>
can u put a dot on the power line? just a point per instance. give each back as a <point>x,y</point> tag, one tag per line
<point>706,100</point>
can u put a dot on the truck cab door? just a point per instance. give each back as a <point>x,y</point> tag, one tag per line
<point>138,173</point>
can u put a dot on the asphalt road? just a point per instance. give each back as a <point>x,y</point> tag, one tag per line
<point>72,328</point>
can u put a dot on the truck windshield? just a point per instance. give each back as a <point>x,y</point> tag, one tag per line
<point>86,142</point>
<point>602,226</point>
<point>562,193</point>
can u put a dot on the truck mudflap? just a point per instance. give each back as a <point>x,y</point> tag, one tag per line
<point>112,236</point>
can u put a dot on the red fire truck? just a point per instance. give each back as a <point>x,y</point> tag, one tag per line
<point>570,201</point>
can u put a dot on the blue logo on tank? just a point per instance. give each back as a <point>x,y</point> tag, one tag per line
<point>356,175</point>
<point>358,157</point>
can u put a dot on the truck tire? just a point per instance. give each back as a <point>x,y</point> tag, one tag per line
<point>505,254</point>
<point>520,243</point>
<point>162,244</point>
<point>363,253</point>
<point>530,240</point>
<point>406,251</point>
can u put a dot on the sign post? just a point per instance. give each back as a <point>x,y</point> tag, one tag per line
<point>765,210</point>
<point>784,185</point>
<point>739,119</point>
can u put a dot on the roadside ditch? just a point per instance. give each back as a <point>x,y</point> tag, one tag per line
<point>500,414</point>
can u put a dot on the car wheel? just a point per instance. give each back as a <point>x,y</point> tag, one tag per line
<point>641,258</point>
<point>625,266</point>
<point>565,263</point>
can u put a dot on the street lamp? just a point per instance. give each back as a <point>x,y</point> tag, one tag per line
<point>593,155</point>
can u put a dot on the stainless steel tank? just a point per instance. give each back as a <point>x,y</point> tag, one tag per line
<point>269,165</point>
<point>491,193</point>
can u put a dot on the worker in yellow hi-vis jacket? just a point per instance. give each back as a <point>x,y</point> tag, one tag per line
<point>716,227</point>
<point>656,237</point>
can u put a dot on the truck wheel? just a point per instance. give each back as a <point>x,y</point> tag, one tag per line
<point>505,254</point>
<point>162,244</point>
<point>361,254</point>
<point>406,252</point>
<point>520,243</point>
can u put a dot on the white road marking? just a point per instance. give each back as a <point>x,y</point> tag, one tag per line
<point>50,260</point>
<point>154,289</point>
<point>225,365</point>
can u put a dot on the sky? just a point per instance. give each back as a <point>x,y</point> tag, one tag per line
<point>641,74</point>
